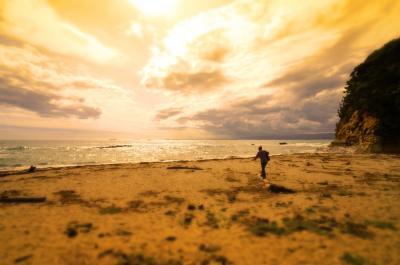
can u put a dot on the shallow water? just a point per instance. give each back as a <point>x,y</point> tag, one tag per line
<point>16,154</point>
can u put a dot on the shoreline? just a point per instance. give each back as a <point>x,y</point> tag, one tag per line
<point>49,167</point>
<point>23,169</point>
<point>44,156</point>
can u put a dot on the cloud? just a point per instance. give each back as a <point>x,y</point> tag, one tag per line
<point>56,133</point>
<point>259,117</point>
<point>212,46</point>
<point>35,22</point>
<point>167,113</point>
<point>45,104</point>
<point>38,82</point>
<point>187,82</point>
<point>207,51</point>
<point>303,100</point>
<point>188,60</point>
<point>233,41</point>
<point>326,70</point>
<point>285,67</point>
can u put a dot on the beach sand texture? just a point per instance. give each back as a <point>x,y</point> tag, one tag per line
<point>338,209</point>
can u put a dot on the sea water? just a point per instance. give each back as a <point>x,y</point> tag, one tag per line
<point>21,154</point>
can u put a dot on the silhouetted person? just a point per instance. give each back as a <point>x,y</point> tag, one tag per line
<point>264,158</point>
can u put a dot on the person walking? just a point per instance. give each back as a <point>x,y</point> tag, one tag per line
<point>263,155</point>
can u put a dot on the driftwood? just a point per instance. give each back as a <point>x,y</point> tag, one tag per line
<point>7,173</point>
<point>184,167</point>
<point>22,199</point>
<point>23,258</point>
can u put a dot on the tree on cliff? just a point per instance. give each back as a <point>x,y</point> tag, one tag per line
<point>374,90</point>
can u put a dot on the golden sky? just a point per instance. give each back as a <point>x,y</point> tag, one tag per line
<point>180,68</point>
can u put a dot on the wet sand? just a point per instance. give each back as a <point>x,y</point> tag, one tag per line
<point>336,209</point>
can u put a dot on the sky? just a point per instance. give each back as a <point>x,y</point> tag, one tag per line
<point>182,69</point>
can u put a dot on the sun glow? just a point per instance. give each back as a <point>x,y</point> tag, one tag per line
<point>155,7</point>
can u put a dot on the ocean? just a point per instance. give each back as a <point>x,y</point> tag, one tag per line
<point>21,154</point>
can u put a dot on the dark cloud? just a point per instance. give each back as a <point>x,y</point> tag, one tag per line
<point>327,69</point>
<point>253,119</point>
<point>258,118</point>
<point>13,132</point>
<point>271,115</point>
<point>35,81</point>
<point>189,82</point>
<point>167,113</point>
<point>10,41</point>
<point>44,104</point>
<point>304,82</point>
<point>82,84</point>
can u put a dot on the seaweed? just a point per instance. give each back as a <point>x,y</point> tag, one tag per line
<point>170,213</point>
<point>212,220</point>
<point>354,259</point>
<point>261,227</point>
<point>283,204</point>
<point>344,192</point>
<point>274,188</point>
<point>191,207</point>
<point>356,229</point>
<point>322,226</point>
<point>216,259</point>
<point>136,205</point>
<point>74,227</point>
<point>69,197</point>
<point>381,224</point>
<point>187,219</point>
<point>149,193</point>
<point>231,178</point>
<point>136,258</point>
<point>240,215</point>
<point>110,210</point>
<point>209,248</point>
<point>173,199</point>
<point>310,209</point>
<point>231,195</point>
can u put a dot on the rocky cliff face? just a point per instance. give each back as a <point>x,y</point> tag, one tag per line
<point>359,130</point>
<point>370,110</point>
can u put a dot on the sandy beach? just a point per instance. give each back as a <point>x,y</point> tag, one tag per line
<point>317,209</point>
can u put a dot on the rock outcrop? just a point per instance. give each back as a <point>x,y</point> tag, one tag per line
<point>370,111</point>
<point>359,130</point>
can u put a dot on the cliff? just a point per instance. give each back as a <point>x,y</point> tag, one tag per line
<point>370,110</point>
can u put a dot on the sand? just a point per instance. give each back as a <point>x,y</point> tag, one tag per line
<point>338,209</point>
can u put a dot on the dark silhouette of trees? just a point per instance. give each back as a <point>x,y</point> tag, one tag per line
<point>374,88</point>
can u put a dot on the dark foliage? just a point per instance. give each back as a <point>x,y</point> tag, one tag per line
<point>374,88</point>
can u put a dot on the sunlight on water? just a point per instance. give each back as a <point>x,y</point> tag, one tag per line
<point>14,154</point>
